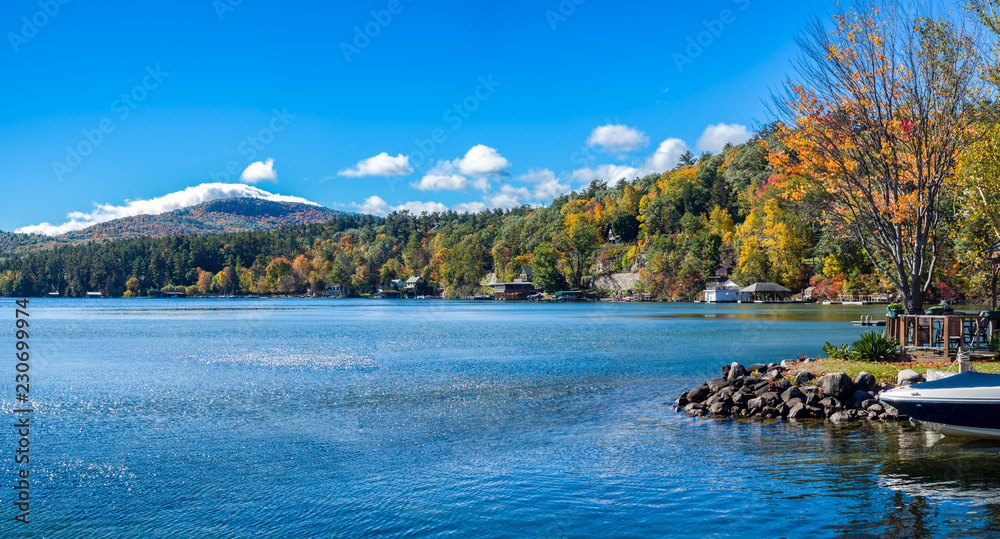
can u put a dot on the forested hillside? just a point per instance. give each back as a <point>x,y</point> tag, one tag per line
<point>675,228</point>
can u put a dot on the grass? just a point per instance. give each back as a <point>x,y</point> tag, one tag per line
<point>884,372</point>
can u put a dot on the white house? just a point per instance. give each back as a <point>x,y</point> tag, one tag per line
<point>334,290</point>
<point>727,292</point>
<point>412,282</point>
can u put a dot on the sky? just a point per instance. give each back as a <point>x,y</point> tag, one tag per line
<point>117,108</point>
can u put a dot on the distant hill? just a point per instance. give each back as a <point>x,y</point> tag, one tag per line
<point>13,243</point>
<point>213,217</point>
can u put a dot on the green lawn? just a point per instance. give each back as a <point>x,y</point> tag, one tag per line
<point>884,372</point>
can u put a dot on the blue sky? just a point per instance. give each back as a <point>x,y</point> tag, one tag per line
<point>119,107</point>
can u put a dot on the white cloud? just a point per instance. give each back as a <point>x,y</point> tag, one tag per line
<point>505,200</point>
<point>716,136</point>
<point>470,207</point>
<point>482,160</point>
<point>617,138</point>
<point>375,205</point>
<point>437,182</point>
<point>382,164</point>
<point>417,207</point>
<point>444,176</point>
<point>260,172</point>
<point>608,173</point>
<point>667,155</point>
<point>543,187</point>
<point>155,206</point>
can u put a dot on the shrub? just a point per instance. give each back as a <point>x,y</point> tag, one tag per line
<point>893,306</point>
<point>874,347</point>
<point>837,353</point>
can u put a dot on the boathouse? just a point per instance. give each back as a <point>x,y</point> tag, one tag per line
<point>726,292</point>
<point>766,292</point>
<point>516,290</point>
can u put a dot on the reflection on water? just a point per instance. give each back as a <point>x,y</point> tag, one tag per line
<point>213,418</point>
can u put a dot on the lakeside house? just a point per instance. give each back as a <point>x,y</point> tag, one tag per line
<point>726,292</point>
<point>334,290</point>
<point>413,282</point>
<point>613,239</point>
<point>95,295</point>
<point>526,275</point>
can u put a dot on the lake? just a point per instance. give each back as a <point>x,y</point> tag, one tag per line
<point>387,418</point>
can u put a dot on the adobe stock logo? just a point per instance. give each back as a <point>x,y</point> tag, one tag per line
<point>122,108</point>
<point>714,28</point>
<point>31,25</point>
<point>363,35</point>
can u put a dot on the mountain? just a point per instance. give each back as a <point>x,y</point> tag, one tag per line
<point>213,217</point>
<point>14,243</point>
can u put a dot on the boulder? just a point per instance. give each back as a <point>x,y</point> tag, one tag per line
<point>771,398</point>
<point>773,374</point>
<point>792,393</point>
<point>865,382</point>
<point>797,412</point>
<point>792,403</point>
<point>866,405</point>
<point>699,393</point>
<point>877,408</point>
<point>736,371</point>
<point>756,405</point>
<point>725,371</point>
<point>907,377</point>
<point>717,384</point>
<point>860,397</point>
<point>843,416</point>
<point>741,399</point>
<point>815,411</point>
<point>694,407</point>
<point>681,402</point>
<point>837,384</point>
<point>788,363</point>
<point>803,378</point>
<point>830,402</point>
<point>720,397</point>
<point>719,408</point>
<point>781,385</point>
<point>813,399</point>
<point>783,409</point>
<point>757,367</point>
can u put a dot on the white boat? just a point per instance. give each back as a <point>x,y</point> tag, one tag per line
<point>966,404</point>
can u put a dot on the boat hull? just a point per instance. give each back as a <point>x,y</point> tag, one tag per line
<point>966,405</point>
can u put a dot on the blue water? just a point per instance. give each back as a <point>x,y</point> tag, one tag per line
<point>344,418</point>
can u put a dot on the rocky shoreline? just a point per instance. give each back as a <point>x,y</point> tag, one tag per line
<point>764,391</point>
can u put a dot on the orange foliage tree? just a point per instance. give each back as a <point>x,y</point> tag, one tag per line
<point>881,115</point>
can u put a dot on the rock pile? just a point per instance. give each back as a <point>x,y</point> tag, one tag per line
<point>761,390</point>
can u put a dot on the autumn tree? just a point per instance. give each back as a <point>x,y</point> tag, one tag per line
<point>879,122</point>
<point>578,242</point>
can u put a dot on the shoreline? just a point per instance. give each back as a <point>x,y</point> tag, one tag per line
<point>771,391</point>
